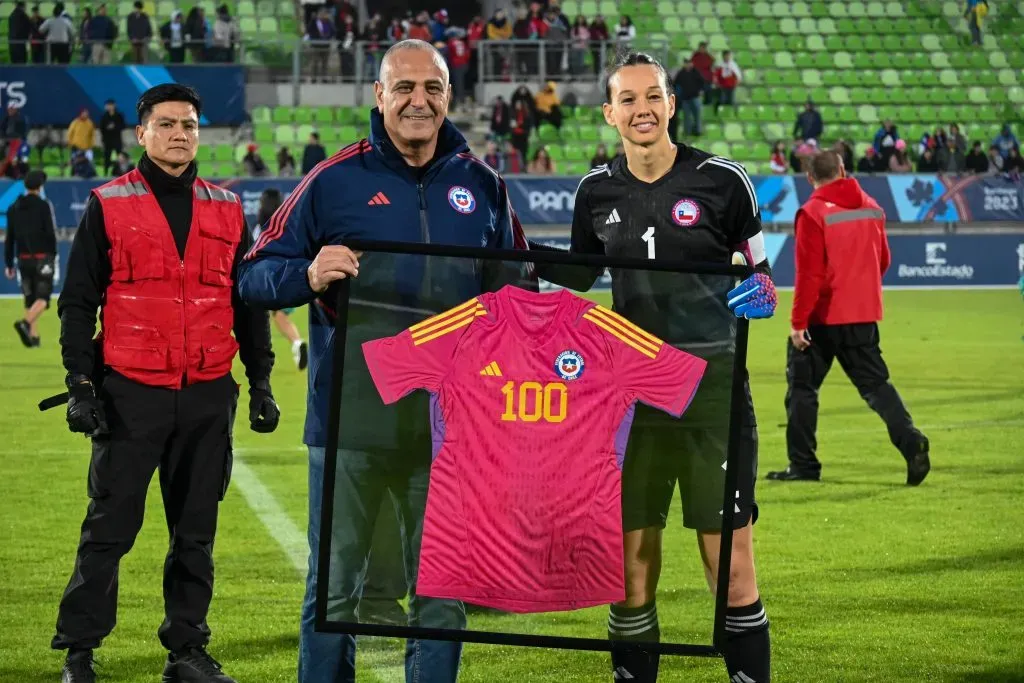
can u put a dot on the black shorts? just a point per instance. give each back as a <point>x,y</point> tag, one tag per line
<point>692,451</point>
<point>36,279</point>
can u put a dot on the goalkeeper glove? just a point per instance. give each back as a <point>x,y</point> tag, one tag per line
<point>754,297</point>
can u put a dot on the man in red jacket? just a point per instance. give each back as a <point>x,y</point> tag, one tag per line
<point>841,255</point>
<point>156,253</point>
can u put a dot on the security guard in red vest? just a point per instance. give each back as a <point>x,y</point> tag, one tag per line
<point>156,252</point>
<point>841,255</point>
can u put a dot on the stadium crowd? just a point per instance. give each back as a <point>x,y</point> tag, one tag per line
<point>568,48</point>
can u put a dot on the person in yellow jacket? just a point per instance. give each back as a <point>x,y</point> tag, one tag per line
<point>81,134</point>
<point>975,12</point>
<point>548,105</point>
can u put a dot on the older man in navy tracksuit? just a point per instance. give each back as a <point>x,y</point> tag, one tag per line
<point>413,180</point>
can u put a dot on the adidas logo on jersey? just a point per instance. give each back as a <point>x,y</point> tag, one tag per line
<point>492,370</point>
<point>740,677</point>
<point>613,217</point>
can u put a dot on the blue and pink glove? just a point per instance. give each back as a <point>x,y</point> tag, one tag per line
<point>755,297</point>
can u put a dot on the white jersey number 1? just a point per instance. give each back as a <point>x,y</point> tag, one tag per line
<point>649,238</point>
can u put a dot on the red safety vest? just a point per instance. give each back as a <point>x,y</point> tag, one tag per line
<point>168,322</point>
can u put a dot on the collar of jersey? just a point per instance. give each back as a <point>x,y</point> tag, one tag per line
<point>681,154</point>
<point>509,297</point>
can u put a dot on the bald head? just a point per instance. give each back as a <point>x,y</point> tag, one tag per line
<point>412,94</point>
<point>394,57</point>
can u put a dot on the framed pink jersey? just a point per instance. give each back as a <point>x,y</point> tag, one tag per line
<point>532,398</point>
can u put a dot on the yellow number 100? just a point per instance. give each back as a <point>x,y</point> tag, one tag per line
<point>535,400</point>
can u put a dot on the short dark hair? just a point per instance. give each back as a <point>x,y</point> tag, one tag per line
<point>315,136</point>
<point>138,4</point>
<point>167,92</point>
<point>632,58</point>
<point>824,165</point>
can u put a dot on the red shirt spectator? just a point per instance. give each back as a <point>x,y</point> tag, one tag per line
<point>703,62</point>
<point>420,32</point>
<point>458,53</point>
<point>475,32</point>
<point>538,26</point>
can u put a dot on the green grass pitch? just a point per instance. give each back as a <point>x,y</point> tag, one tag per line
<point>864,579</point>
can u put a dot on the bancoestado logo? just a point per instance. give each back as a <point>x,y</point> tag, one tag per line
<point>936,265</point>
<point>551,200</point>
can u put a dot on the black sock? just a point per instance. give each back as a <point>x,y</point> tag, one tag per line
<point>748,652</point>
<point>634,625</point>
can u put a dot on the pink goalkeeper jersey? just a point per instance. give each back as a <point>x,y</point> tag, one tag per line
<point>532,400</point>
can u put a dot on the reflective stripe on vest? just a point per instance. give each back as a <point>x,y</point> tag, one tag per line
<point>215,194</point>
<point>853,215</point>
<point>125,190</point>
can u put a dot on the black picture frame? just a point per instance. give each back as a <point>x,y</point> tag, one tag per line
<point>342,291</point>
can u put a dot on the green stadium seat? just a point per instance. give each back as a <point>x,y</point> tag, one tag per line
<point>246,8</point>
<point>248,26</point>
<point>757,43</point>
<point>284,135</point>
<point>977,95</point>
<point>282,114</point>
<point>724,8</point>
<point>890,78</point>
<point>239,151</point>
<point>948,77</point>
<point>720,148</point>
<point>223,153</point>
<point>260,114</point>
<point>204,153</point>
<point>303,115</point>
<point>268,26</point>
<point>329,135</point>
<point>1007,77</point>
<point>263,134</point>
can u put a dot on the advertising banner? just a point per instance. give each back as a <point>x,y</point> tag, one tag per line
<point>549,201</point>
<point>938,261</point>
<point>54,95</point>
<point>987,260</point>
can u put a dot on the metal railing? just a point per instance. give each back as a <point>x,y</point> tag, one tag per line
<point>125,51</point>
<point>299,60</point>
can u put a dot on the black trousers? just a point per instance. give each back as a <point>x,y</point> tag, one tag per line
<point>111,150</point>
<point>186,435</point>
<point>18,52</point>
<point>856,348</point>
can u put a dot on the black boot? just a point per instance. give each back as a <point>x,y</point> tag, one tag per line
<point>918,463</point>
<point>789,474</point>
<point>24,332</point>
<point>78,667</point>
<point>194,665</point>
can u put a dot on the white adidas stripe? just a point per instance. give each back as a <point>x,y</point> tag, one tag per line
<point>738,170</point>
<point>741,677</point>
<point>596,171</point>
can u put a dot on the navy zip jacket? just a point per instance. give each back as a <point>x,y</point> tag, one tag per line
<point>367,192</point>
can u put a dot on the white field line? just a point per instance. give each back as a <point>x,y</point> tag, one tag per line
<point>383,664</point>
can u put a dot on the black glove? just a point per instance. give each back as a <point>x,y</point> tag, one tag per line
<point>85,411</point>
<point>263,411</point>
